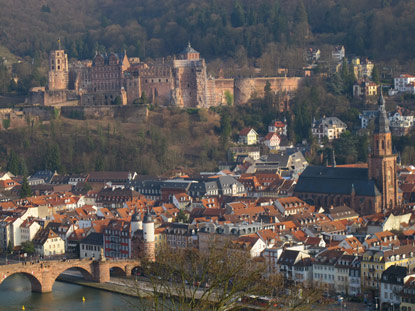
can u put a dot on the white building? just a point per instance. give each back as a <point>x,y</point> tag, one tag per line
<point>391,285</point>
<point>91,246</point>
<point>28,230</point>
<point>272,140</point>
<point>48,243</point>
<point>278,127</point>
<point>338,53</point>
<point>331,128</point>
<point>296,265</point>
<point>324,270</point>
<point>403,82</point>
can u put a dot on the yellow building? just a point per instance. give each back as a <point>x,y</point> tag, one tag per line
<point>374,262</point>
<point>160,239</point>
<point>248,136</point>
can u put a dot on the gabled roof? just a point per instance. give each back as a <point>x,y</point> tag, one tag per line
<point>43,235</point>
<point>245,131</point>
<point>94,238</point>
<point>336,180</point>
<point>270,135</point>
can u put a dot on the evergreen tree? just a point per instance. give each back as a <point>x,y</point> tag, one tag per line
<point>25,191</point>
<point>13,163</point>
<point>238,15</point>
<point>376,74</point>
<point>53,158</point>
<point>22,167</point>
<point>301,26</point>
<point>225,126</point>
<point>10,247</point>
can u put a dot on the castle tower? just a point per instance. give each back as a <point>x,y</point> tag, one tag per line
<point>382,161</point>
<point>148,235</point>
<point>190,79</point>
<point>58,70</point>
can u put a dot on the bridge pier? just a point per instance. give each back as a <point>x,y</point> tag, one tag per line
<point>101,271</point>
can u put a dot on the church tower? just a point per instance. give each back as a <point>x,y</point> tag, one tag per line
<point>58,70</point>
<point>382,161</point>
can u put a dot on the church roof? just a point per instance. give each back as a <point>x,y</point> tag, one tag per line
<point>336,180</point>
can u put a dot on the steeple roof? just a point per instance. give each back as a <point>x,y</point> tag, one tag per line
<point>382,121</point>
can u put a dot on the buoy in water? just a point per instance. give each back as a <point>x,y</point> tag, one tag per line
<point>23,308</point>
<point>83,299</point>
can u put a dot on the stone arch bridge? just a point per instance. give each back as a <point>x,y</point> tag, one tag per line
<point>42,275</point>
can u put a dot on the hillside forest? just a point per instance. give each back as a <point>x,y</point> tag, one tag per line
<point>237,38</point>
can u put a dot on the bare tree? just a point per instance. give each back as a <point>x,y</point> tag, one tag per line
<point>221,279</point>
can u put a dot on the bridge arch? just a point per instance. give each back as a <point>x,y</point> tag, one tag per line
<point>85,271</point>
<point>120,268</point>
<point>117,271</point>
<point>35,284</point>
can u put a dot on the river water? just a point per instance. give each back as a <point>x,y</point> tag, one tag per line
<point>15,292</point>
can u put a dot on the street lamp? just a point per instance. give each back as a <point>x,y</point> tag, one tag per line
<point>7,254</point>
<point>341,303</point>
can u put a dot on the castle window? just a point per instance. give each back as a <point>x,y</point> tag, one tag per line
<point>59,61</point>
<point>167,80</point>
<point>59,67</point>
<point>383,144</point>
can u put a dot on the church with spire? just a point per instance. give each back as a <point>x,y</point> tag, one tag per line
<point>382,161</point>
<point>368,189</point>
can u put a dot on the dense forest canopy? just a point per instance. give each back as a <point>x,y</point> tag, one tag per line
<point>380,29</point>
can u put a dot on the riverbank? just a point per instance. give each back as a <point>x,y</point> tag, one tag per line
<point>117,288</point>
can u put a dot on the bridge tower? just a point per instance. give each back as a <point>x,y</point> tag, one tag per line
<point>148,235</point>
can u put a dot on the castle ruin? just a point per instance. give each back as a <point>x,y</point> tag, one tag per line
<point>116,79</point>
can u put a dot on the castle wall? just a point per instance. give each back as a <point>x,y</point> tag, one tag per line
<point>16,117</point>
<point>133,88</point>
<point>127,113</point>
<point>102,98</point>
<point>245,88</point>
<point>157,88</point>
<point>221,87</point>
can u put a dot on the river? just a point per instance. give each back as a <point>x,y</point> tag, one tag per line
<point>15,292</point>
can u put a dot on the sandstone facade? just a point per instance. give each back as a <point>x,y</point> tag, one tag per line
<point>117,79</point>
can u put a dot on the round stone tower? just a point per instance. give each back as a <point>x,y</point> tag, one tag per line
<point>148,236</point>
